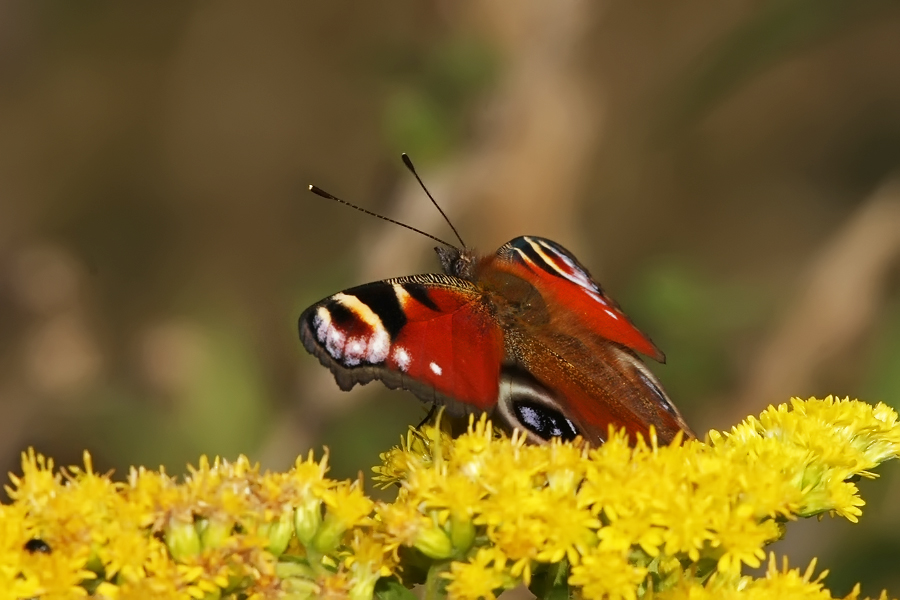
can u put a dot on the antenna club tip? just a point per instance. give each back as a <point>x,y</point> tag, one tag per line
<point>310,187</point>
<point>320,192</point>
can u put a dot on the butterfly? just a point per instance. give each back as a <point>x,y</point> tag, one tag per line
<point>525,335</point>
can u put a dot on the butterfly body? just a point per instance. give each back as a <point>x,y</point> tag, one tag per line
<point>524,334</point>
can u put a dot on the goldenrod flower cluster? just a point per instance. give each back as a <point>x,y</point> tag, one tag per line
<point>473,516</point>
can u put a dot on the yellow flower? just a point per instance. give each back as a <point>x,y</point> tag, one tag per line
<point>422,447</point>
<point>307,483</point>
<point>777,583</point>
<point>37,484</point>
<point>567,466</point>
<point>334,586</point>
<point>571,531</point>
<point>403,524</point>
<point>57,574</point>
<point>473,516</point>
<point>469,451</point>
<point>823,443</point>
<point>15,535</point>
<point>608,574</point>
<point>368,561</point>
<point>450,493</point>
<point>481,577</point>
<point>347,506</point>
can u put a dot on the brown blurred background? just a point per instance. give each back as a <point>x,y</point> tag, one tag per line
<point>727,170</point>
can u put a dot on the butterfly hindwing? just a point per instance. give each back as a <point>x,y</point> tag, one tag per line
<point>431,334</point>
<point>595,384</point>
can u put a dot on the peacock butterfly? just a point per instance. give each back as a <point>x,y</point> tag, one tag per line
<point>525,335</point>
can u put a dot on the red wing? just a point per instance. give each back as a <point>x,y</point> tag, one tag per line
<point>598,384</point>
<point>577,299</point>
<point>575,350</point>
<point>430,334</point>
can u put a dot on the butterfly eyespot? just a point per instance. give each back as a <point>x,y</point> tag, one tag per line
<point>543,421</point>
<point>525,404</point>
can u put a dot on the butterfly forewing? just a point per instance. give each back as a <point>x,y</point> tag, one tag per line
<point>574,343</point>
<point>567,285</point>
<point>430,334</point>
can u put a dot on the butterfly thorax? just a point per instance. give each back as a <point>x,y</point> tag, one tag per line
<point>510,298</point>
<point>457,262</point>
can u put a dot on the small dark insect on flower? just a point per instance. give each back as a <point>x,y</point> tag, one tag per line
<point>37,545</point>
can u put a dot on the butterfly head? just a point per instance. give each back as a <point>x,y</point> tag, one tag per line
<point>457,262</point>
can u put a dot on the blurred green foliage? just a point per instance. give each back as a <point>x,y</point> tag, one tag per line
<point>695,318</point>
<point>432,94</point>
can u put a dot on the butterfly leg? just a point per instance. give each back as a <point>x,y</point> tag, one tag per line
<point>428,418</point>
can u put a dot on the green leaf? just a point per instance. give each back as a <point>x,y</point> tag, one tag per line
<point>551,582</point>
<point>389,588</point>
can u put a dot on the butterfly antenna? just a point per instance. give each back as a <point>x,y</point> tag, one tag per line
<point>412,169</point>
<point>320,192</point>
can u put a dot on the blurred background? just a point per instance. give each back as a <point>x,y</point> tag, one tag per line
<point>728,171</point>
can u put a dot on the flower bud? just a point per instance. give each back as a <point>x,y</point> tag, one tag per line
<point>364,587</point>
<point>182,539</point>
<point>299,588</point>
<point>433,542</point>
<point>212,532</point>
<point>462,534</point>
<point>307,520</point>
<point>293,569</point>
<point>279,533</point>
<point>328,536</point>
